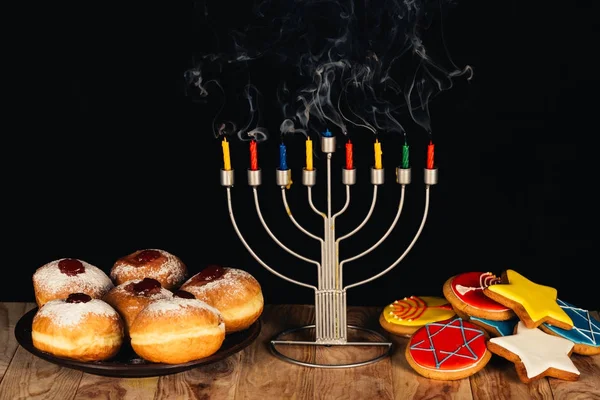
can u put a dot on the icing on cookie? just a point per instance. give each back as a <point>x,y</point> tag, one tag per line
<point>504,328</point>
<point>538,351</point>
<point>468,287</point>
<point>539,301</point>
<point>418,311</point>
<point>450,345</point>
<point>586,330</point>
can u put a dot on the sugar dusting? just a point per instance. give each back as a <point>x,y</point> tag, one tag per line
<point>122,288</point>
<point>67,314</point>
<point>226,284</point>
<point>49,279</point>
<point>178,304</point>
<point>171,268</point>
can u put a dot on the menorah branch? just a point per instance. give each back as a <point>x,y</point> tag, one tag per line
<point>365,220</point>
<point>288,210</point>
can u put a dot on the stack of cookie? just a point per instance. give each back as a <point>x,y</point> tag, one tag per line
<point>481,314</point>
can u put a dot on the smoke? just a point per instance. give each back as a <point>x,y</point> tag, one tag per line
<point>344,65</point>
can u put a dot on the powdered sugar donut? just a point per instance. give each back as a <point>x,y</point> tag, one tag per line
<point>78,328</point>
<point>161,265</point>
<point>129,298</point>
<point>57,279</point>
<point>177,330</point>
<point>234,292</point>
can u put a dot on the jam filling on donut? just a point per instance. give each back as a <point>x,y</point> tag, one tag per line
<point>145,287</point>
<point>146,256</point>
<point>184,294</point>
<point>208,274</point>
<point>71,267</point>
<point>78,298</point>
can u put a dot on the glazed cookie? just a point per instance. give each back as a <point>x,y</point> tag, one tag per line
<point>465,293</point>
<point>448,350</point>
<point>536,354</point>
<point>585,333</point>
<point>534,304</point>
<point>496,328</point>
<point>404,317</point>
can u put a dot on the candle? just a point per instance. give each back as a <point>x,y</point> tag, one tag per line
<point>282,157</point>
<point>405,163</point>
<point>226,158</point>
<point>309,155</point>
<point>378,152</point>
<point>253,156</point>
<point>430,150</point>
<point>349,161</point>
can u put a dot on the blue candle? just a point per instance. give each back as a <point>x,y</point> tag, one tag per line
<point>327,133</point>
<point>282,157</point>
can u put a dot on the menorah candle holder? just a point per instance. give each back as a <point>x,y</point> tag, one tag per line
<point>330,327</point>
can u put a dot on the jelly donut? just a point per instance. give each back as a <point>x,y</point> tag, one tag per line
<point>59,278</point>
<point>177,330</point>
<point>129,298</point>
<point>161,265</point>
<point>79,328</point>
<point>234,292</point>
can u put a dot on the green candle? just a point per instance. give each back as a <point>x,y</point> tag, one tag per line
<point>405,156</point>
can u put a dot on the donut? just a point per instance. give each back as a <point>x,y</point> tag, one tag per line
<point>234,292</point>
<point>79,328</point>
<point>161,265</point>
<point>59,278</point>
<point>129,298</point>
<point>177,330</point>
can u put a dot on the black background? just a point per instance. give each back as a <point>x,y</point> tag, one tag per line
<point>108,154</point>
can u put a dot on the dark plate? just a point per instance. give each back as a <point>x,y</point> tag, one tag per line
<point>127,363</point>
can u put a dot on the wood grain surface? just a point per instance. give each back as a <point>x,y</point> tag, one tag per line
<point>255,373</point>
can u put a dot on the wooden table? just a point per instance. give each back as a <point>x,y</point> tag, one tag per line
<point>255,373</point>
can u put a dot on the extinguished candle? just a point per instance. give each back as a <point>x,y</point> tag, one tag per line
<point>253,156</point>
<point>309,155</point>
<point>405,161</point>
<point>430,151</point>
<point>226,157</point>
<point>349,156</point>
<point>378,153</point>
<point>282,157</point>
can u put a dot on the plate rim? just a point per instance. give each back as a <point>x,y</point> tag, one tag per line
<point>22,333</point>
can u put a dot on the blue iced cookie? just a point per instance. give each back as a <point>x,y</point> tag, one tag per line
<point>585,333</point>
<point>496,328</point>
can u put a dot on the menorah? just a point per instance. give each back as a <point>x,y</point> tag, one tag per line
<point>330,327</point>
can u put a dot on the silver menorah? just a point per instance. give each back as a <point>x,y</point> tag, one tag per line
<point>330,325</point>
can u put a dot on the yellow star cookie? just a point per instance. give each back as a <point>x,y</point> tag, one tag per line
<point>533,303</point>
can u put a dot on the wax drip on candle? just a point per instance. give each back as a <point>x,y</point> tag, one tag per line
<point>253,156</point>
<point>349,156</point>
<point>430,152</point>
<point>283,157</point>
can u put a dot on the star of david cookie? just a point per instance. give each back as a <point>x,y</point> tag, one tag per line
<point>536,354</point>
<point>585,334</point>
<point>448,350</point>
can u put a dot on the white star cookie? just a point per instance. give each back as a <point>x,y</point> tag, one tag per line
<point>536,354</point>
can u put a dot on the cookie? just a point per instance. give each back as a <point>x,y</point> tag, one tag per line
<point>404,317</point>
<point>536,354</point>
<point>585,334</point>
<point>496,328</point>
<point>465,293</point>
<point>534,304</point>
<point>448,350</point>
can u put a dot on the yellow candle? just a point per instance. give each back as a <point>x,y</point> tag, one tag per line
<point>226,158</point>
<point>309,155</point>
<point>378,152</point>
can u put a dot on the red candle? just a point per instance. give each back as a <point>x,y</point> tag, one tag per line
<point>430,150</point>
<point>349,161</point>
<point>253,156</point>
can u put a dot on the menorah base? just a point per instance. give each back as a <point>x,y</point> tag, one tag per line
<point>339,342</point>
